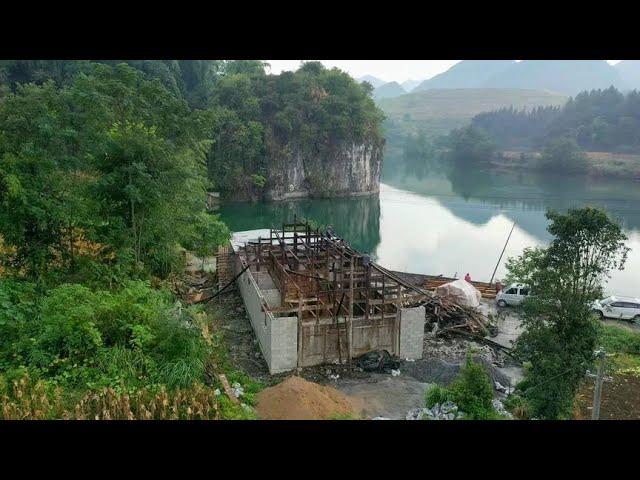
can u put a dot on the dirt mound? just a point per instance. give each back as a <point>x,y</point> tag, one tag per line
<point>298,399</point>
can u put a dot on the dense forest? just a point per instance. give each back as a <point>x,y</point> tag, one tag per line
<point>104,168</point>
<point>599,120</point>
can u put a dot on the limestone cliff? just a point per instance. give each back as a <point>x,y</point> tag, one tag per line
<point>345,170</point>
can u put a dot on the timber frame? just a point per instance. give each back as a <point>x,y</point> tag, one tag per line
<point>322,279</point>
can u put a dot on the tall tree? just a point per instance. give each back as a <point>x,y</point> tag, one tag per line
<point>560,333</point>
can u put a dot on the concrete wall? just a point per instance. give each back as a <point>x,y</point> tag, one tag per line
<point>277,336</point>
<point>411,332</point>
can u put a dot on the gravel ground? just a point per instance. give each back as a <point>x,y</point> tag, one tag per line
<point>383,395</point>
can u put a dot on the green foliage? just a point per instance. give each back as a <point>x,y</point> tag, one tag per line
<point>598,120</point>
<point>438,394</point>
<point>108,163</point>
<point>618,340</point>
<point>563,154</point>
<point>207,233</point>
<point>265,119</point>
<point>126,338</point>
<point>471,391</point>
<point>560,334</point>
<point>470,145</point>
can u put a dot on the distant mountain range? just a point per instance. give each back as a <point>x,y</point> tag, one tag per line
<point>374,81</point>
<point>382,89</point>
<point>568,77</point>
<point>409,85</point>
<point>467,74</point>
<point>388,90</point>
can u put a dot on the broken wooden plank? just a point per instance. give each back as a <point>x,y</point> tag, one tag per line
<point>227,388</point>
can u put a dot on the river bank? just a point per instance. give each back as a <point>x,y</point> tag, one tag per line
<point>599,164</point>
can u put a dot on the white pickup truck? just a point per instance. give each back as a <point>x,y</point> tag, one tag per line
<point>621,308</point>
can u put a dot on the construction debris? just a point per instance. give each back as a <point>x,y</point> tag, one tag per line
<point>378,361</point>
<point>440,411</point>
<point>227,389</point>
<point>449,315</point>
<point>194,287</point>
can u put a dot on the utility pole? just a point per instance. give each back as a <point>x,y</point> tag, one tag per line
<point>597,393</point>
<point>501,254</point>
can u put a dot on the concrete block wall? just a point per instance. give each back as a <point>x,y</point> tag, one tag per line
<point>412,332</point>
<point>284,344</point>
<point>277,337</point>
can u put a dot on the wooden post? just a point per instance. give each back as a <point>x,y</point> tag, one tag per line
<point>259,253</point>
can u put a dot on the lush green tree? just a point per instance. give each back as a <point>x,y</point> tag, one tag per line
<point>208,233</point>
<point>563,154</point>
<point>599,120</point>
<point>470,145</point>
<point>43,182</point>
<point>560,333</point>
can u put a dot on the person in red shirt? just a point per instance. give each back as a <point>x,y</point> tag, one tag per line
<point>467,277</point>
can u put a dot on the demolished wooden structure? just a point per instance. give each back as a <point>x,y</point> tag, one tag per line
<point>345,303</point>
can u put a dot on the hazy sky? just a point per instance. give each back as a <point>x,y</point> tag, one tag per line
<point>388,70</point>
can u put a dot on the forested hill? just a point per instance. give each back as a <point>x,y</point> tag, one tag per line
<point>599,120</point>
<point>104,169</point>
<point>270,136</point>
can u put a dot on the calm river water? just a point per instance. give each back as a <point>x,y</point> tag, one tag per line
<point>451,224</point>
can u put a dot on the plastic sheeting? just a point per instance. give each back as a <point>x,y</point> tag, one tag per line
<point>461,292</point>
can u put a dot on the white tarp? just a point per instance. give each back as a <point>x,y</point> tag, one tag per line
<point>460,291</point>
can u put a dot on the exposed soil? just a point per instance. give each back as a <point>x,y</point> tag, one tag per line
<point>244,352</point>
<point>620,399</point>
<point>299,399</point>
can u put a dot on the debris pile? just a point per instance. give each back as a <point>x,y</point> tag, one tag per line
<point>450,316</point>
<point>194,287</point>
<point>298,399</point>
<point>379,361</point>
<point>440,411</point>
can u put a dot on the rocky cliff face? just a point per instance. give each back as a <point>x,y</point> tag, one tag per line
<point>344,170</point>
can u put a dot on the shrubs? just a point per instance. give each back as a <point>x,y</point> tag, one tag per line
<point>438,394</point>
<point>471,391</point>
<point>123,339</point>
<point>563,154</point>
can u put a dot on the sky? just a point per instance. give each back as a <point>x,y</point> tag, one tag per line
<point>388,70</point>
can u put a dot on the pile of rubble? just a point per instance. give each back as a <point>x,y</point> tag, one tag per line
<point>450,316</point>
<point>440,411</point>
<point>194,287</point>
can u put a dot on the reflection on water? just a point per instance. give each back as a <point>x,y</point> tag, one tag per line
<point>457,222</point>
<point>356,219</point>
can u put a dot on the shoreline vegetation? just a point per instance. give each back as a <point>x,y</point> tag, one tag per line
<point>598,164</point>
